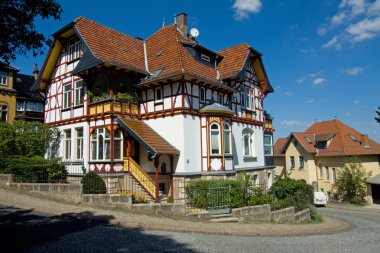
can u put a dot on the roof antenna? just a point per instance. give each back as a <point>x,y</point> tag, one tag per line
<point>163,22</point>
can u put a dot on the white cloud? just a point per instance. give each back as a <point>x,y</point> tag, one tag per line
<point>311,101</point>
<point>293,123</point>
<point>300,80</point>
<point>243,8</point>
<point>352,71</point>
<point>288,94</point>
<point>313,75</point>
<point>355,21</point>
<point>356,102</point>
<point>319,81</point>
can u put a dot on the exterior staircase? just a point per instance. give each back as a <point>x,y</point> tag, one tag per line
<point>141,182</point>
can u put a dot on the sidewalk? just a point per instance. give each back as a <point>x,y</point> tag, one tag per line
<point>151,222</point>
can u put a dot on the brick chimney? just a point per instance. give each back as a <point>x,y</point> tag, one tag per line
<point>181,21</point>
<point>364,140</point>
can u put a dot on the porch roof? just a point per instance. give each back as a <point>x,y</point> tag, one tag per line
<point>146,136</point>
<point>374,180</point>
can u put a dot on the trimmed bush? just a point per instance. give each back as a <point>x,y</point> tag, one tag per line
<point>34,169</point>
<point>93,184</point>
<point>259,198</point>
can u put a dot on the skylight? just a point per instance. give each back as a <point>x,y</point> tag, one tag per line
<point>352,137</point>
<point>308,140</point>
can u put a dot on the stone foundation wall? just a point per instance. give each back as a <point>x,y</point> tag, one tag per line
<point>106,199</point>
<point>302,216</point>
<point>253,213</point>
<point>283,215</point>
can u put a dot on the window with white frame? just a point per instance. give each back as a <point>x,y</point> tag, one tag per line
<point>215,139</point>
<point>227,139</point>
<point>75,49</point>
<point>320,171</point>
<point>117,140</point>
<point>4,112</point>
<point>220,99</point>
<point>158,94</point>
<point>242,98</point>
<point>248,142</point>
<point>32,106</point>
<point>78,95</point>
<point>202,95</point>
<point>3,78</point>
<point>79,143</point>
<point>247,100</point>
<point>67,96</point>
<point>67,144</point>
<point>20,106</point>
<point>101,144</point>
<point>268,146</point>
<point>327,173</point>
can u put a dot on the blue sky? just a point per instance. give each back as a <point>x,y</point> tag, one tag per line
<point>321,56</point>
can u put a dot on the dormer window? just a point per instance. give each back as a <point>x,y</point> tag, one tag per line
<point>205,57</point>
<point>322,144</point>
<point>75,49</point>
<point>3,78</point>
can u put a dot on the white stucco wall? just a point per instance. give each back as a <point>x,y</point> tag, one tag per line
<point>241,162</point>
<point>183,132</point>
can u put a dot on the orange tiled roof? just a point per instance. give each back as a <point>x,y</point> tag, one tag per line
<point>278,146</point>
<point>150,138</point>
<point>342,140</point>
<point>112,46</point>
<point>234,59</point>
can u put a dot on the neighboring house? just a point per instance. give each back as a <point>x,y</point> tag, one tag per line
<point>7,92</point>
<point>318,154</point>
<point>157,109</point>
<point>29,104</point>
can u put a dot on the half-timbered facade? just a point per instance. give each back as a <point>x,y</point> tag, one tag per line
<point>157,108</point>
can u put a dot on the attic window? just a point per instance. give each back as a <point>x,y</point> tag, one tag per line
<point>352,137</point>
<point>322,144</point>
<point>205,57</point>
<point>308,140</point>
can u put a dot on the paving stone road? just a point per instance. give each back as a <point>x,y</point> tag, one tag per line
<point>33,224</point>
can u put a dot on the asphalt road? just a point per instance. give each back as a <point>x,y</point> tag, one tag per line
<point>24,230</point>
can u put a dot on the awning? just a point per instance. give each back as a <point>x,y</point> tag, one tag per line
<point>147,137</point>
<point>374,180</point>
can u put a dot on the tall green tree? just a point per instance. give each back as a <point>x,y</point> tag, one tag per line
<point>28,139</point>
<point>352,182</point>
<point>17,25</point>
<point>378,115</point>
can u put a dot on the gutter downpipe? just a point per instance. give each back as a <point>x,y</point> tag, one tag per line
<point>146,60</point>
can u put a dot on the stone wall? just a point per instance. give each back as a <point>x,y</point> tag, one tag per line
<point>169,209</point>
<point>106,199</point>
<point>302,216</point>
<point>283,215</point>
<point>253,213</point>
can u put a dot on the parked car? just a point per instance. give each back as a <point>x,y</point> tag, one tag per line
<point>320,199</point>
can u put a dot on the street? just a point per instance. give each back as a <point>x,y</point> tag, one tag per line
<point>24,230</point>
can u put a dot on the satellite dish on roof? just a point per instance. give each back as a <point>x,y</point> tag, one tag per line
<point>194,32</point>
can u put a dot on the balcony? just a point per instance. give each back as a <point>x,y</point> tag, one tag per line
<point>113,106</point>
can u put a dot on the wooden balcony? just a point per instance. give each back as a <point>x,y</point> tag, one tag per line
<point>113,106</point>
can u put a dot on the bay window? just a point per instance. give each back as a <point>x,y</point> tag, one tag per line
<point>101,144</point>
<point>227,139</point>
<point>268,148</point>
<point>215,139</point>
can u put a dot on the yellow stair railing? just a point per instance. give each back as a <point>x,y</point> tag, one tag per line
<point>140,175</point>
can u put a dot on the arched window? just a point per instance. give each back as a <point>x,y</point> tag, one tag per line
<point>227,139</point>
<point>215,139</point>
<point>4,112</point>
<point>248,142</point>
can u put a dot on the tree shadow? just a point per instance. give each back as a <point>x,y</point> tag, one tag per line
<point>27,231</point>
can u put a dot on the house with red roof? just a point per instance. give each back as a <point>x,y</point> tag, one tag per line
<point>157,109</point>
<point>318,154</point>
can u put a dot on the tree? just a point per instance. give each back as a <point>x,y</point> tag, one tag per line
<point>18,32</point>
<point>352,182</point>
<point>378,114</point>
<point>27,139</point>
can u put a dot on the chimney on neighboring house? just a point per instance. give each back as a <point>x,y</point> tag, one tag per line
<point>181,21</point>
<point>364,140</point>
<point>35,71</point>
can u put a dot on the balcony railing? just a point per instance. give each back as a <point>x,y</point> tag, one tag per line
<point>109,106</point>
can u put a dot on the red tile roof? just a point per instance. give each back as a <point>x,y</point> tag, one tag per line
<point>342,140</point>
<point>234,59</point>
<point>278,146</point>
<point>112,46</point>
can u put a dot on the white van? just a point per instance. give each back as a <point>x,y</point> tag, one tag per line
<point>320,199</point>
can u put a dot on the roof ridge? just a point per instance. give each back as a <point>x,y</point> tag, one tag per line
<point>157,31</point>
<point>240,44</point>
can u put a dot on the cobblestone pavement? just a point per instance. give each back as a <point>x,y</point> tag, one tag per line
<point>43,225</point>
